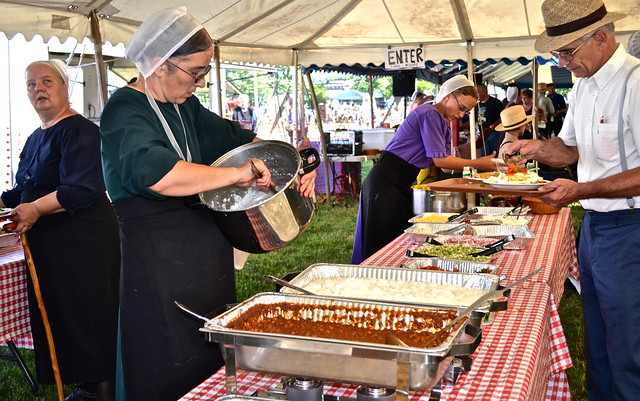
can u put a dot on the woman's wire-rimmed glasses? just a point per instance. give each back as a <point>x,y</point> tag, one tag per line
<point>461,107</point>
<point>197,77</point>
<point>567,56</point>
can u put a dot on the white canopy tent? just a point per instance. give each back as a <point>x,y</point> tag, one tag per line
<point>319,32</point>
<point>306,32</point>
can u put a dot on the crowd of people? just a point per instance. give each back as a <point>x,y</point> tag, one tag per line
<point>111,266</point>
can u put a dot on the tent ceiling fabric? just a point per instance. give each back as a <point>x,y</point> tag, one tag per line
<point>329,31</point>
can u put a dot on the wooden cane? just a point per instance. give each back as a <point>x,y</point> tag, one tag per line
<point>43,312</point>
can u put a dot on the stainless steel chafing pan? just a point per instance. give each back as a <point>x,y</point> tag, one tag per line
<point>328,359</point>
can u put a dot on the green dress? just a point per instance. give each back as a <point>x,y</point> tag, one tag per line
<point>170,252</point>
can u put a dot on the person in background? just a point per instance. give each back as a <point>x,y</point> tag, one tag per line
<point>488,115</point>
<point>514,96</point>
<point>245,115</point>
<point>513,125</point>
<point>60,203</point>
<point>560,109</point>
<point>547,107</point>
<point>604,107</point>
<point>158,142</point>
<point>527,104</point>
<point>423,138</point>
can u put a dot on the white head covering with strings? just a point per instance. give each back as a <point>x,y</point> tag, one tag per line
<point>152,44</point>
<point>457,82</point>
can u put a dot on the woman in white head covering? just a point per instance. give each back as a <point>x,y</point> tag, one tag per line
<point>157,144</point>
<point>423,139</point>
<point>60,203</point>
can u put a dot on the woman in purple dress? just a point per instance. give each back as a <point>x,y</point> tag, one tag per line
<point>424,138</point>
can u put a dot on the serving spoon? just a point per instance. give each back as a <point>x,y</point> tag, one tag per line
<point>288,284</point>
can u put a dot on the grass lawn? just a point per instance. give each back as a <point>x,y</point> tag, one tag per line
<point>328,239</point>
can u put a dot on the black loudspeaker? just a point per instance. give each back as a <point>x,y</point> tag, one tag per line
<point>478,77</point>
<point>404,83</point>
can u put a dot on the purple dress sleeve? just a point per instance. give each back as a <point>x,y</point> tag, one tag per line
<point>423,135</point>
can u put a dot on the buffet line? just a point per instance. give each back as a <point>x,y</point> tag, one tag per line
<point>383,330</point>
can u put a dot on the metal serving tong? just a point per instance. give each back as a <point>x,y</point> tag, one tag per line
<point>489,296</point>
<point>490,249</point>
<point>508,156</point>
<point>462,216</point>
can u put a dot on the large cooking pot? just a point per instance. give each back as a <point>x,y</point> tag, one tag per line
<point>426,200</point>
<point>256,220</point>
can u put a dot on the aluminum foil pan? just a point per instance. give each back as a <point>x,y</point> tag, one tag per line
<point>338,360</point>
<point>452,265</point>
<point>417,218</point>
<point>403,278</point>
<point>523,234</point>
<point>419,232</point>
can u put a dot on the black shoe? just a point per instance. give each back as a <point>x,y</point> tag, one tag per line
<point>80,394</point>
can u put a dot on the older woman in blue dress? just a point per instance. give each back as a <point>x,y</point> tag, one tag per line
<point>60,203</point>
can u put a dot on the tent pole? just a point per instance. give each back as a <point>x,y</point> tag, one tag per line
<point>295,93</point>
<point>471,198</point>
<point>303,114</point>
<point>218,88</point>
<point>371,101</point>
<point>323,144</point>
<point>101,70</point>
<point>536,97</point>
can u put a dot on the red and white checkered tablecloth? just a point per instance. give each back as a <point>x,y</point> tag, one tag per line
<point>523,354</point>
<point>14,306</point>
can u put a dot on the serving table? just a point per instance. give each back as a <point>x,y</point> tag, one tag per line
<point>523,354</point>
<point>14,306</point>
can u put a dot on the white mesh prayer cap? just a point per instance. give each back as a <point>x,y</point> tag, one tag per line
<point>512,93</point>
<point>159,37</point>
<point>56,65</point>
<point>452,84</point>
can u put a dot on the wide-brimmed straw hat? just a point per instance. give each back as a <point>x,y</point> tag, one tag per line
<point>512,118</point>
<point>569,20</point>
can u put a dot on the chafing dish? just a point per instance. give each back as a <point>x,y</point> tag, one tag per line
<point>323,271</point>
<point>383,365</point>
<point>523,235</point>
<point>452,265</point>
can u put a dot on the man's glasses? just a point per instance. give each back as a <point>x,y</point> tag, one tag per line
<point>567,56</point>
<point>198,77</point>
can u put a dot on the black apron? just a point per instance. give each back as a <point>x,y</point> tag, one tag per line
<point>386,203</point>
<point>170,252</point>
<point>77,259</point>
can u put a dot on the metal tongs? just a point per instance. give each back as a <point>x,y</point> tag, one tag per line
<point>508,156</point>
<point>462,216</point>
<point>490,249</point>
<point>489,296</point>
<point>518,207</point>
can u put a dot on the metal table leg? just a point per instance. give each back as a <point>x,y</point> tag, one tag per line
<point>15,356</point>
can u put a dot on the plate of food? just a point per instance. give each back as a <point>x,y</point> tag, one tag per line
<point>516,177</point>
<point>516,185</point>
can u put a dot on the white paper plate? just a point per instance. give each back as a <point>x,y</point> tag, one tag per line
<point>512,186</point>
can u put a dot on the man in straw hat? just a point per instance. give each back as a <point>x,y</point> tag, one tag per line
<point>603,107</point>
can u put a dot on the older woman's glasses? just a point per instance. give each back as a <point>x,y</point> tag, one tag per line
<point>196,78</point>
<point>567,56</point>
